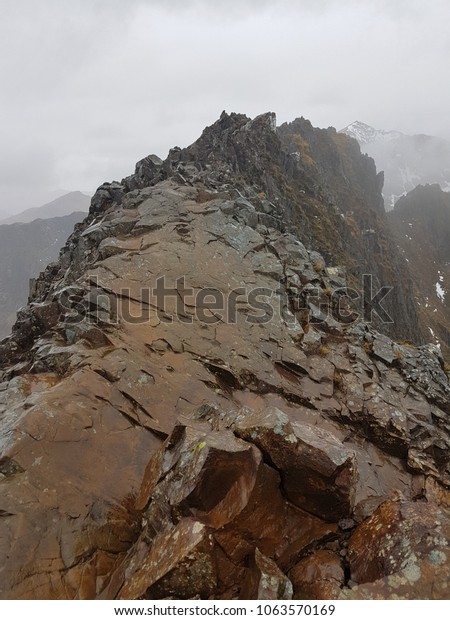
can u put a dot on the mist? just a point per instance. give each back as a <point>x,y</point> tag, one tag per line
<point>88,88</point>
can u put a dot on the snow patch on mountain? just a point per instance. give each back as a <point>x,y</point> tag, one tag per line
<point>440,292</point>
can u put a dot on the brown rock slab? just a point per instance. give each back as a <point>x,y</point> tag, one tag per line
<point>212,477</point>
<point>432,584</point>
<point>60,523</point>
<point>264,581</point>
<point>179,563</point>
<point>399,538</point>
<point>269,522</point>
<point>319,575</point>
<point>318,472</point>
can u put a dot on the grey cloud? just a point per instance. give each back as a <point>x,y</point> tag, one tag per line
<point>94,85</point>
<point>36,165</point>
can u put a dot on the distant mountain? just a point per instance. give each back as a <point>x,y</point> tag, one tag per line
<point>365,134</point>
<point>407,160</point>
<point>64,205</point>
<point>25,250</point>
<point>421,223</point>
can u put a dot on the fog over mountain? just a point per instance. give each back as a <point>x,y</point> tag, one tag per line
<point>88,87</point>
<point>64,205</point>
<point>407,160</point>
<point>29,241</point>
<point>25,250</point>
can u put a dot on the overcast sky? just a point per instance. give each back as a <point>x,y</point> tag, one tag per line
<point>88,87</point>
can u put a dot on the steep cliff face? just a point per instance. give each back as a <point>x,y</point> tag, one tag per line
<point>350,222</point>
<point>189,405</point>
<point>421,223</point>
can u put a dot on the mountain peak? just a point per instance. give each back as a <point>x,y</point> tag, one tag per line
<point>61,206</point>
<point>361,132</point>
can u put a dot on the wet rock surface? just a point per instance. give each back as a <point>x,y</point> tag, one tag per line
<point>406,553</point>
<point>265,581</point>
<point>319,575</point>
<point>239,444</point>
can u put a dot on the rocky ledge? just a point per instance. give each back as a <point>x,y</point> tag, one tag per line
<point>243,442</point>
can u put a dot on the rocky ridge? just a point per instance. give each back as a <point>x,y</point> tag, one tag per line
<point>217,454</point>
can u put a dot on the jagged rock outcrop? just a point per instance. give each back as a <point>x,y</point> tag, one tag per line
<point>234,435</point>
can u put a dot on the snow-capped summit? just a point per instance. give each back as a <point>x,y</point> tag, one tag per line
<point>362,132</point>
<point>365,134</point>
